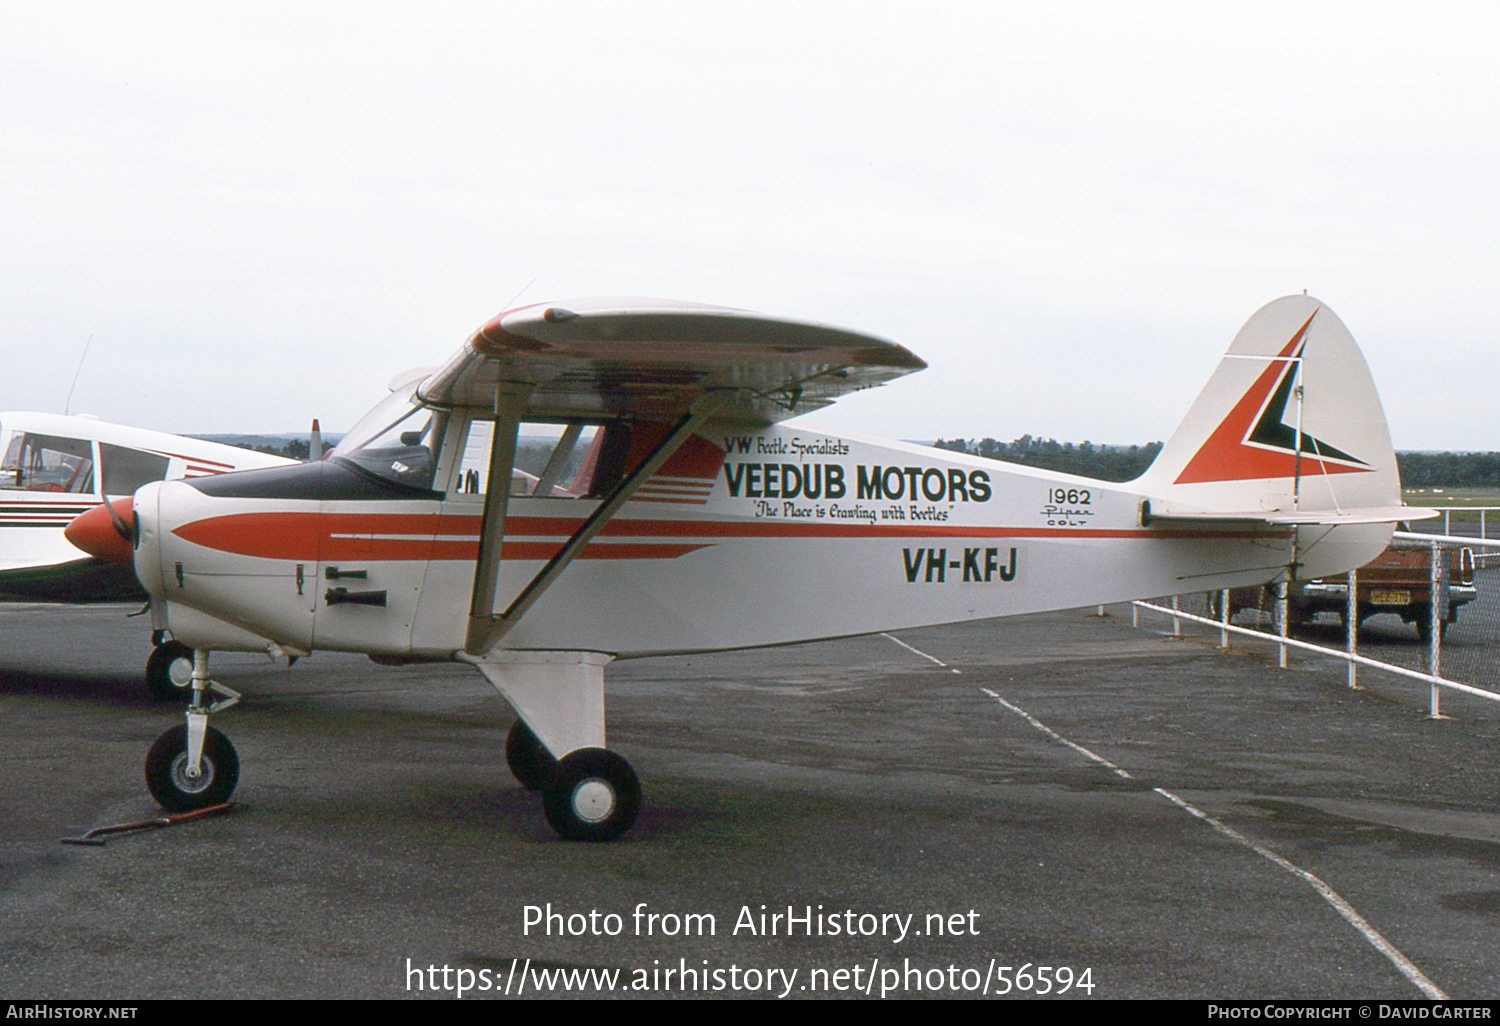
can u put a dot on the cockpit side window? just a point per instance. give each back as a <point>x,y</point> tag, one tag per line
<point>471,476</point>
<point>554,460</point>
<point>124,470</point>
<point>48,463</point>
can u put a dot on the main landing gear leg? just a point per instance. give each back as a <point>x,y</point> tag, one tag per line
<point>192,765</point>
<point>589,793</point>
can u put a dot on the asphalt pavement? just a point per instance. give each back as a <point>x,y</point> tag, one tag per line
<point>1058,803</point>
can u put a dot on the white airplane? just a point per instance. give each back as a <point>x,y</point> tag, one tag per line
<point>611,478</point>
<point>54,468</point>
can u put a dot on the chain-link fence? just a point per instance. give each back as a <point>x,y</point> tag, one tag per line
<point>1468,522</point>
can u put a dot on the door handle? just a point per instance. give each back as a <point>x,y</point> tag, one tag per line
<point>333,573</point>
<point>345,597</point>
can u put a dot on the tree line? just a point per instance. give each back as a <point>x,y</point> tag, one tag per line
<point>1124,463</point>
<point>1449,469</point>
<point>295,449</point>
<point>1101,462</point>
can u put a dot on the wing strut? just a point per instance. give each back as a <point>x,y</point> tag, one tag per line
<point>510,404</point>
<point>485,628</point>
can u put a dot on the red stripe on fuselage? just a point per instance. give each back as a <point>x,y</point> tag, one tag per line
<point>310,537</point>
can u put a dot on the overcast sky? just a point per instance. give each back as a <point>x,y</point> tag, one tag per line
<point>261,212</point>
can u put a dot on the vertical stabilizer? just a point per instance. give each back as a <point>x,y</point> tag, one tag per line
<point>1289,422</point>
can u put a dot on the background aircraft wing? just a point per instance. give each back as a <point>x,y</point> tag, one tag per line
<point>653,357</point>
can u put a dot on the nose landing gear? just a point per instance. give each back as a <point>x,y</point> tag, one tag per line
<point>193,765</point>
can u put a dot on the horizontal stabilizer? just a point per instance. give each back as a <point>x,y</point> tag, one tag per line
<point>1297,518</point>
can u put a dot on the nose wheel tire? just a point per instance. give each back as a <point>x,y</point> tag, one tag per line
<point>527,757</point>
<point>167,776</point>
<point>592,795</point>
<point>169,672</point>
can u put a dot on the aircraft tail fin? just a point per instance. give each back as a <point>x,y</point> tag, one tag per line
<point>1289,430</point>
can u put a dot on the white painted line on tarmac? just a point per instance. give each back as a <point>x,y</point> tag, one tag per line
<point>1327,893</point>
<point>1054,735</point>
<point>919,652</point>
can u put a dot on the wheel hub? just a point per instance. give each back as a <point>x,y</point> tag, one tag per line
<point>593,800</point>
<point>189,784</point>
<point>180,673</point>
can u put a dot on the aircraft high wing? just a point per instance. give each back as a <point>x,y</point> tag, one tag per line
<point>605,479</point>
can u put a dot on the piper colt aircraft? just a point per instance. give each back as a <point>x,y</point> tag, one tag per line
<point>53,469</point>
<point>611,478</point>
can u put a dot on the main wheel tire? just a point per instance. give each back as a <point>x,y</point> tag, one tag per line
<point>166,771</point>
<point>1424,628</point>
<point>592,795</point>
<point>169,672</point>
<point>528,758</point>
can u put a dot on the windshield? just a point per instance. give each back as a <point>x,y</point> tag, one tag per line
<point>398,440</point>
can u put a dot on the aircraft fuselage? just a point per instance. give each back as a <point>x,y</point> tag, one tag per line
<point>753,535</point>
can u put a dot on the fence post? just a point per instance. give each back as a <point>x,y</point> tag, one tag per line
<point>1351,621</point>
<point>1437,612</point>
<point>1224,618</point>
<point>1176,623</point>
<point>1282,627</point>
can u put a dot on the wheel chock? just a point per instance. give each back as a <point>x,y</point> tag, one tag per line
<point>93,837</point>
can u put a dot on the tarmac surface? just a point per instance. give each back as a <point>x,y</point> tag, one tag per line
<point>1144,816</point>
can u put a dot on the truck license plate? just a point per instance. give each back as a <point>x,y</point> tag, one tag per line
<point>1390,598</point>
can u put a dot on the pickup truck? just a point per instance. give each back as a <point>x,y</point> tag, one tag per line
<point>1398,581</point>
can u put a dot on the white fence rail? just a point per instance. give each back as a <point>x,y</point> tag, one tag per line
<point>1487,516</point>
<point>1349,654</point>
<point>1350,657</point>
<point>1452,541</point>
